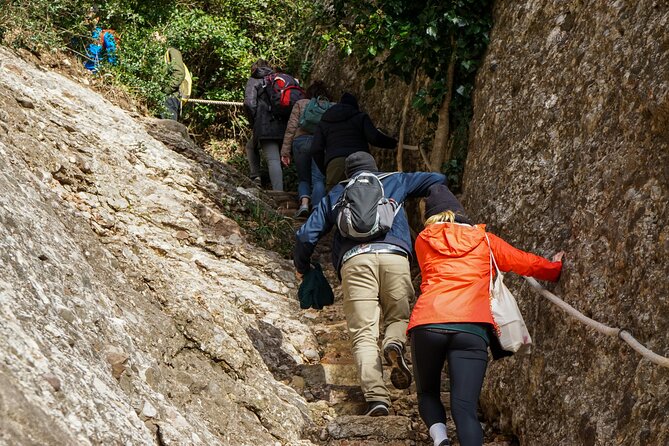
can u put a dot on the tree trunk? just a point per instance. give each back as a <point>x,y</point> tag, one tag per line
<point>405,109</point>
<point>440,146</point>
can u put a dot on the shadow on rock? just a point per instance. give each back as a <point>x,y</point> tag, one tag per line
<point>267,340</point>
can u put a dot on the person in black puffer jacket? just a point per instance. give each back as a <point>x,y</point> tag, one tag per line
<point>344,130</point>
<point>268,129</point>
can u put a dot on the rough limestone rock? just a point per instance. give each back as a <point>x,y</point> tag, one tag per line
<point>132,310</point>
<point>569,150</point>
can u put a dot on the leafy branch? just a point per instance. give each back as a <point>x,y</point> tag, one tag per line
<point>445,40</point>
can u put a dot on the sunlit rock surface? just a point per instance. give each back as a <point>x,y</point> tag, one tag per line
<point>132,310</point>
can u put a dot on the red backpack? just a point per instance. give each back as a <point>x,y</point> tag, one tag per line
<point>283,91</point>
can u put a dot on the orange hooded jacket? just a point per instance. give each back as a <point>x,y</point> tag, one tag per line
<point>454,261</point>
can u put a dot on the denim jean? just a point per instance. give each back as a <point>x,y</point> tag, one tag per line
<point>317,184</point>
<point>311,182</point>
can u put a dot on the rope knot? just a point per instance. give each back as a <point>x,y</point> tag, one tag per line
<point>620,332</point>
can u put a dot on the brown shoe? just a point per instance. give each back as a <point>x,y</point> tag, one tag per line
<point>400,375</point>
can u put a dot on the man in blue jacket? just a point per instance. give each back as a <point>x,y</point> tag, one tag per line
<point>375,276</point>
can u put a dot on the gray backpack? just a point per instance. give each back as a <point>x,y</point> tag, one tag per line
<point>364,211</point>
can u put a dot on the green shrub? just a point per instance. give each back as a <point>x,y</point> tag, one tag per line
<point>445,40</point>
<point>219,40</point>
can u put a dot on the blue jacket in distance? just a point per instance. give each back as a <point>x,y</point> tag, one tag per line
<point>398,186</point>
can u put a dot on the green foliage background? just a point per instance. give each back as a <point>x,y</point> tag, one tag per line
<point>219,40</point>
<point>401,38</point>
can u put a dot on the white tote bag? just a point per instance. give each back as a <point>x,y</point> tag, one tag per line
<point>513,334</point>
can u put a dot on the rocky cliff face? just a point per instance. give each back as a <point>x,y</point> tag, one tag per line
<point>570,150</point>
<point>132,311</point>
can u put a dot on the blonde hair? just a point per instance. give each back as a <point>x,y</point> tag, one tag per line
<point>442,217</point>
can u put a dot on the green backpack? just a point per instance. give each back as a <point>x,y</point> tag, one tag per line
<point>312,113</point>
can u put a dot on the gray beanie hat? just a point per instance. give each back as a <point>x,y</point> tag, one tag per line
<point>358,162</point>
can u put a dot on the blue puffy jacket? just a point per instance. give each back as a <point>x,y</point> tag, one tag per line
<point>398,186</point>
<point>103,42</point>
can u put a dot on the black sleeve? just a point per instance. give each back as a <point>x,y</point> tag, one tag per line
<point>302,256</point>
<point>251,100</point>
<point>318,148</point>
<point>376,137</point>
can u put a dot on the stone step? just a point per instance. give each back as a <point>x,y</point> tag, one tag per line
<point>287,212</point>
<point>382,429</point>
<point>281,197</point>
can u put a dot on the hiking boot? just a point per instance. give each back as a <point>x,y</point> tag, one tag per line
<point>257,181</point>
<point>302,212</point>
<point>376,409</point>
<point>400,375</point>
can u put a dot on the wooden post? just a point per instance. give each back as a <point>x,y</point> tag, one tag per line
<point>405,109</point>
<point>439,147</point>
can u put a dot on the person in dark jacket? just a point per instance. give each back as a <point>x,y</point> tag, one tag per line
<point>268,129</point>
<point>177,71</point>
<point>344,130</point>
<point>375,275</point>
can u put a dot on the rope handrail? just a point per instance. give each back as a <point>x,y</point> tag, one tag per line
<point>214,102</point>
<point>604,329</point>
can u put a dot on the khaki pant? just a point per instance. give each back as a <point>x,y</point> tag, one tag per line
<point>372,283</point>
<point>334,172</point>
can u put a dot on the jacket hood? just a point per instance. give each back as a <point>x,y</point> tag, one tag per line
<point>452,239</point>
<point>339,112</point>
<point>173,55</point>
<point>261,72</point>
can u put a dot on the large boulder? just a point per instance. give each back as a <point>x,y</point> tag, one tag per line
<point>569,150</point>
<point>132,308</point>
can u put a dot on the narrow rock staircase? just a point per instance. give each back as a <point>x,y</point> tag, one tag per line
<point>331,385</point>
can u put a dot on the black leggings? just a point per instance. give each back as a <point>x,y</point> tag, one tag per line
<point>467,356</point>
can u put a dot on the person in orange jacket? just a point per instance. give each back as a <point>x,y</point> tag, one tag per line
<point>452,320</point>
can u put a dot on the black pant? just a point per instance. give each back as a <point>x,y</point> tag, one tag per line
<point>172,108</point>
<point>467,357</point>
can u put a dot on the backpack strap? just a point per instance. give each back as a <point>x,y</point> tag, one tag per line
<point>380,177</point>
<point>491,261</point>
<point>324,101</point>
<point>385,175</point>
<point>262,90</point>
